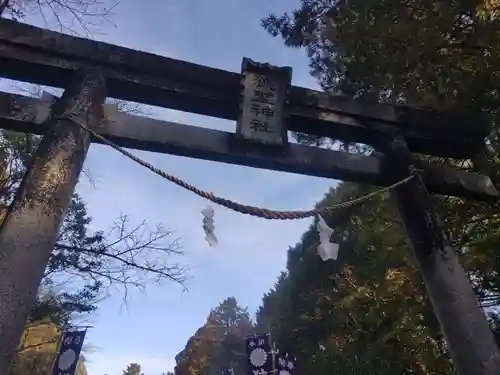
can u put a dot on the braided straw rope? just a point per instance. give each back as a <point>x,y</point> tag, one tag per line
<point>241,208</point>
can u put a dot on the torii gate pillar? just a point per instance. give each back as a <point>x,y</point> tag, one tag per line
<point>463,323</point>
<point>31,227</point>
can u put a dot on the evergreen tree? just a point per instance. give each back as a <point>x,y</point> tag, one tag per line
<point>368,311</point>
<point>133,369</point>
<point>96,260</point>
<point>363,314</point>
<point>219,343</point>
<point>38,346</point>
<point>93,260</point>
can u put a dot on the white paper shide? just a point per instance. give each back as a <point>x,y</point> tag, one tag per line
<point>326,249</point>
<point>208,225</point>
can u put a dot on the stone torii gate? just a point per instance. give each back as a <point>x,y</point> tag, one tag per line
<point>266,107</point>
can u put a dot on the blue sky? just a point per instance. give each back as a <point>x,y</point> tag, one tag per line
<point>155,325</point>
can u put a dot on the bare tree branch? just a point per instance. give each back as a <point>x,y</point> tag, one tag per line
<point>67,15</point>
<point>128,256</point>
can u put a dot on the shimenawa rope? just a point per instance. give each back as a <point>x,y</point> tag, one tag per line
<point>241,208</point>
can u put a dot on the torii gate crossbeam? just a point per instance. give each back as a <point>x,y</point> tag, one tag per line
<point>28,233</point>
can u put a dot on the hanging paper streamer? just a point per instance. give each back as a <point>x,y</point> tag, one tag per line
<point>260,356</point>
<point>208,225</point>
<point>326,249</point>
<point>285,364</point>
<point>69,353</point>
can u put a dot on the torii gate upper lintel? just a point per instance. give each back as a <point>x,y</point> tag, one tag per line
<point>265,106</point>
